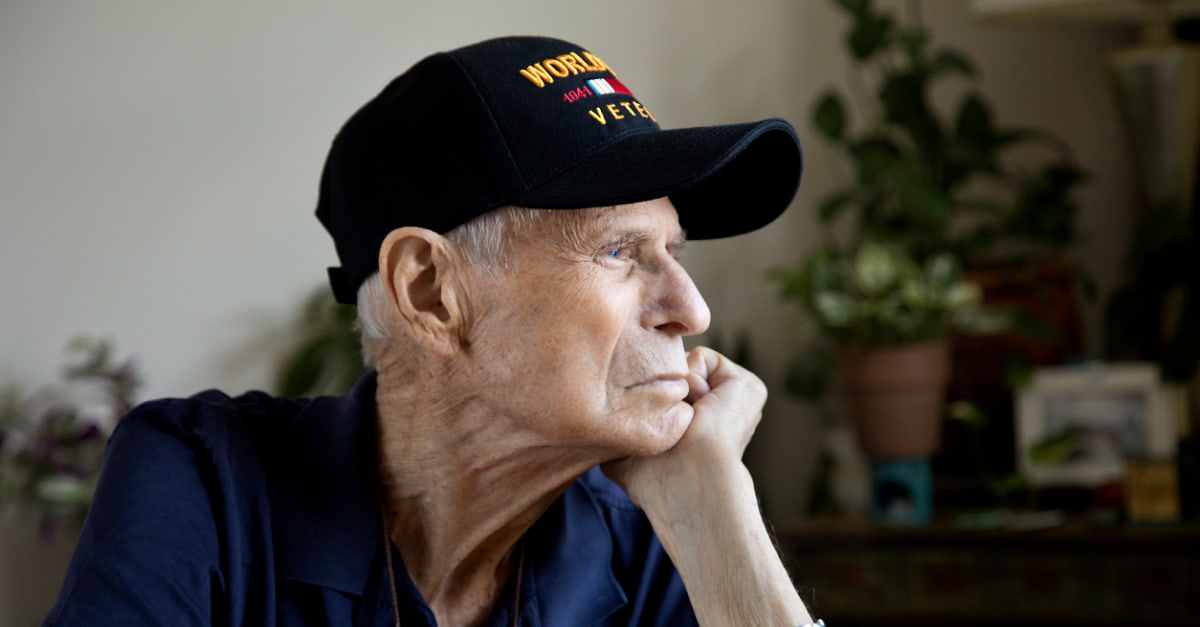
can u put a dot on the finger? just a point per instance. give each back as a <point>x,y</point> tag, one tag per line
<point>714,367</point>
<point>697,376</point>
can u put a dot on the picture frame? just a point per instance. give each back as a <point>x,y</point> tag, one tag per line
<point>1078,426</point>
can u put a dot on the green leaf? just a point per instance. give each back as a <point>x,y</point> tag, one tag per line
<point>924,203</point>
<point>875,268</point>
<point>810,376</point>
<point>941,271</point>
<point>967,413</point>
<point>974,124</point>
<point>305,367</point>
<point>914,294</point>
<point>60,489</point>
<point>902,93</point>
<point>1056,448</point>
<point>832,205</point>
<point>963,295</point>
<point>982,322</point>
<point>952,61</point>
<point>873,156</point>
<point>869,34</point>
<point>1033,326</point>
<point>822,274</point>
<point>913,40</point>
<point>906,105</point>
<point>1015,483</point>
<point>829,116</point>
<point>1018,372</point>
<point>1010,137</point>
<point>789,282</point>
<point>834,309</point>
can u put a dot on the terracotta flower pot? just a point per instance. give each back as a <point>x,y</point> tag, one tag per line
<point>896,398</point>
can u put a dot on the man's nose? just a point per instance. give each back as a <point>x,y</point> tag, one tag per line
<point>681,309</point>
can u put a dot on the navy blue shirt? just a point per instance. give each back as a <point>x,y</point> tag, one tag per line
<point>256,510</point>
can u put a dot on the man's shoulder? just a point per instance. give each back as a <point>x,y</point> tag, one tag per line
<point>281,436</point>
<point>212,409</point>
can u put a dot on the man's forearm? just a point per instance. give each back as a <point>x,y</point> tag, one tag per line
<point>711,527</point>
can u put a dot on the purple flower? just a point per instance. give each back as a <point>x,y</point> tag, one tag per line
<point>90,431</point>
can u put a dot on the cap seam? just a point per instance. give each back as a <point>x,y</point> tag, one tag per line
<point>486,96</point>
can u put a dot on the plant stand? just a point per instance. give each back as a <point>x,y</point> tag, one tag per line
<point>901,492</point>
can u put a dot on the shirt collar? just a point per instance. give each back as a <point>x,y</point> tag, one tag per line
<point>325,503</point>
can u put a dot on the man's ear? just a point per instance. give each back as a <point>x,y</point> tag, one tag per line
<point>417,269</point>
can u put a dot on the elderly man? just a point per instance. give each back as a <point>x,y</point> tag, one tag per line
<point>534,446</point>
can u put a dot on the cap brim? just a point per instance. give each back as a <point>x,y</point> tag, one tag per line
<point>723,180</point>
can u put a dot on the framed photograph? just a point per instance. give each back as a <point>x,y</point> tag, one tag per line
<point>1077,426</point>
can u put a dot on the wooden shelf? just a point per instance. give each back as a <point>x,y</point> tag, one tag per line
<point>855,573</point>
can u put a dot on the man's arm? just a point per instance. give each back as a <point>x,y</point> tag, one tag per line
<point>701,502</point>
<point>148,551</point>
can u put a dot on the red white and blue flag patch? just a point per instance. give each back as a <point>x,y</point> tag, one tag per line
<point>608,86</point>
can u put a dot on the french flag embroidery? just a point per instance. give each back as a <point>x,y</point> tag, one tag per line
<point>608,86</point>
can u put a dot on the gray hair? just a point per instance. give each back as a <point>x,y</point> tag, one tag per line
<point>483,242</point>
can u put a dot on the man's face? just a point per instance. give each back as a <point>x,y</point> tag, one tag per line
<point>580,343</point>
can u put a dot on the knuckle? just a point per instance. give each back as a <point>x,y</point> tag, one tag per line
<point>757,387</point>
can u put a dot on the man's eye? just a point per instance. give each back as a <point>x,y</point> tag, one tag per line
<point>617,251</point>
<point>620,249</point>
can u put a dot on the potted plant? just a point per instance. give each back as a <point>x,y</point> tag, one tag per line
<point>887,319</point>
<point>941,176</point>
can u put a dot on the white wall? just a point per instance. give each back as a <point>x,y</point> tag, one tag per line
<point>159,161</point>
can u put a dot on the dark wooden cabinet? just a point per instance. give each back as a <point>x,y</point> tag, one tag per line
<point>853,573</point>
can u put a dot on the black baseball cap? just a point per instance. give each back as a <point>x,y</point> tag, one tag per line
<point>539,123</point>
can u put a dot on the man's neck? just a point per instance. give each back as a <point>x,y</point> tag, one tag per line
<point>459,489</point>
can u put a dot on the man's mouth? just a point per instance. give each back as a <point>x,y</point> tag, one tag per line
<point>670,383</point>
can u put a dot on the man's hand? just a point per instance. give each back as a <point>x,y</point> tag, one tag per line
<point>701,502</point>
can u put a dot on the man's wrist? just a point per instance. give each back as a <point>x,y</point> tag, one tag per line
<point>706,488</point>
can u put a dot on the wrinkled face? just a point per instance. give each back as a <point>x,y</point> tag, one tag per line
<point>580,341</point>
